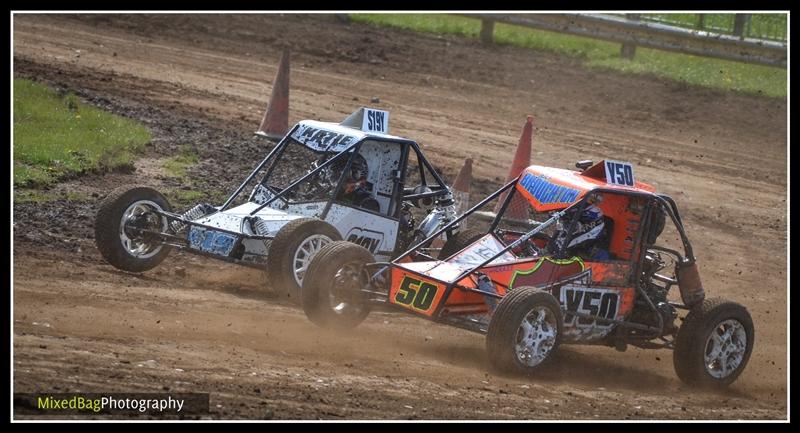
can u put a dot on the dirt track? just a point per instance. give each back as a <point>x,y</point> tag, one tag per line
<point>81,325</point>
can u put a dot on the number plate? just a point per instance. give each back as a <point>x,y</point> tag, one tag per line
<point>211,241</point>
<point>375,121</point>
<point>619,173</point>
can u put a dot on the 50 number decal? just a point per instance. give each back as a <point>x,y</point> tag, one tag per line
<point>416,294</point>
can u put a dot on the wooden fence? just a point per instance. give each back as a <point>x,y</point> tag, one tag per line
<point>631,32</point>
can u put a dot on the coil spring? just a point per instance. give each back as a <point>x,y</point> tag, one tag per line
<point>191,215</point>
<point>447,206</point>
<point>260,227</point>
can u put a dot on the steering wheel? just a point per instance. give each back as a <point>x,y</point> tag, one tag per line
<point>528,248</point>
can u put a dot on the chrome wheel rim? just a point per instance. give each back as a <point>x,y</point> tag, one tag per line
<point>347,283</point>
<point>536,336</point>
<point>305,253</point>
<point>725,348</point>
<point>137,247</point>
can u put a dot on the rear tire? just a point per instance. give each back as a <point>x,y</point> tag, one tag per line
<point>331,290</point>
<point>291,252</point>
<point>525,331</point>
<point>123,247</point>
<point>713,344</point>
<point>459,241</point>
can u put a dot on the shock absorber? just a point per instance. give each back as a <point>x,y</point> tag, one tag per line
<point>448,207</point>
<point>259,226</point>
<point>192,214</point>
<point>444,212</point>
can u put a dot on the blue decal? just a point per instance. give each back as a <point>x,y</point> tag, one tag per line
<point>211,241</point>
<point>546,192</point>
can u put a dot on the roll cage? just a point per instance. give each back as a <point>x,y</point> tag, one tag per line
<point>654,203</point>
<point>438,186</point>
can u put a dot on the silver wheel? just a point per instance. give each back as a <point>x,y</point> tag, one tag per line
<point>725,348</point>
<point>304,253</point>
<point>347,284</point>
<point>139,215</point>
<point>536,336</point>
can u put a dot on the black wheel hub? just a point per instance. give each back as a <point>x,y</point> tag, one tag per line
<point>136,226</point>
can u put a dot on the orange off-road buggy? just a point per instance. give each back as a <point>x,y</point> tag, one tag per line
<point>519,281</point>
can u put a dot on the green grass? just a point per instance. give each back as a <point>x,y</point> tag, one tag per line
<point>184,197</point>
<point>762,26</point>
<point>177,166</point>
<point>701,71</point>
<point>693,70</point>
<point>23,195</point>
<point>181,198</point>
<point>58,136</point>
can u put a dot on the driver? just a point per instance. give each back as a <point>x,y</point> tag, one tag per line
<point>355,187</point>
<point>590,235</point>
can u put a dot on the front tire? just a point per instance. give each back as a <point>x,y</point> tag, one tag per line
<point>292,251</point>
<point>525,331</point>
<point>713,344</point>
<point>331,292</point>
<point>116,228</point>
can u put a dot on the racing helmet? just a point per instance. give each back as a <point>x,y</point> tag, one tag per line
<point>590,227</point>
<point>358,171</point>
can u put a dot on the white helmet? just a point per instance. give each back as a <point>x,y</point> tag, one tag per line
<point>590,227</point>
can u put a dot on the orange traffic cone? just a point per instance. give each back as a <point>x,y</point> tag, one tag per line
<point>460,192</point>
<point>518,208</point>
<point>275,123</point>
<point>464,177</point>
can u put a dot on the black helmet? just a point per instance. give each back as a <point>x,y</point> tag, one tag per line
<point>330,175</point>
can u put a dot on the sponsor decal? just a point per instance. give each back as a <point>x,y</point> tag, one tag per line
<point>546,271</point>
<point>369,239</point>
<point>546,192</point>
<point>481,251</point>
<point>321,139</point>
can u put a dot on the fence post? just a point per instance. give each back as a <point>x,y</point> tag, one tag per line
<point>627,51</point>
<point>701,21</point>
<point>487,28</point>
<point>739,23</point>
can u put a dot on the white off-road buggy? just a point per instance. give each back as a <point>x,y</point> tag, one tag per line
<point>322,182</point>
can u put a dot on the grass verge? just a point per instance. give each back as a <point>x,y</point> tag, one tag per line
<point>58,136</point>
<point>693,70</point>
<point>183,198</point>
<point>177,166</point>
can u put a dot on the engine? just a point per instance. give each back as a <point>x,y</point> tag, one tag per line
<point>656,288</point>
<point>439,212</point>
<point>405,235</point>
